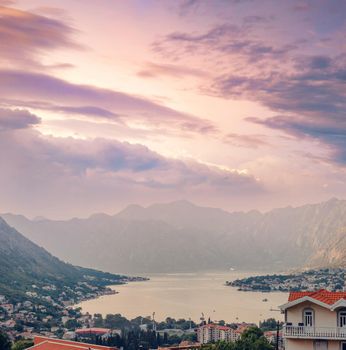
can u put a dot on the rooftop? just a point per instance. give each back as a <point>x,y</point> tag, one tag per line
<point>45,343</point>
<point>321,295</point>
<point>212,325</point>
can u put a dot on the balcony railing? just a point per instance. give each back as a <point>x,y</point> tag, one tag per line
<point>314,332</point>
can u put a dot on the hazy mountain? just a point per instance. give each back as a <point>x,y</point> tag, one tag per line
<point>23,263</point>
<point>181,236</point>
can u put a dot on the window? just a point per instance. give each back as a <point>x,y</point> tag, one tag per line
<point>342,318</point>
<point>308,318</point>
<point>321,345</point>
<point>343,346</point>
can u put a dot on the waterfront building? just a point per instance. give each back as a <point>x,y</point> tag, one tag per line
<point>315,321</point>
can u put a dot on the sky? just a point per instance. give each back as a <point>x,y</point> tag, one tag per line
<point>238,104</point>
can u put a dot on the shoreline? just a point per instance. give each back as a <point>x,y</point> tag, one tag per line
<point>109,291</point>
<point>184,296</point>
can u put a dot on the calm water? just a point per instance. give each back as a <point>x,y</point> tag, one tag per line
<point>188,295</point>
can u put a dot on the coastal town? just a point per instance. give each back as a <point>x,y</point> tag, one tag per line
<point>47,309</point>
<point>25,320</point>
<point>28,321</point>
<point>329,278</point>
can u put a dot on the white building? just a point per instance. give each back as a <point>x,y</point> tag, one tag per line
<point>210,333</point>
<point>315,321</point>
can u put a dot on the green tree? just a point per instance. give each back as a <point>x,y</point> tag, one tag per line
<point>5,343</point>
<point>98,320</point>
<point>19,326</point>
<point>22,344</point>
<point>253,339</point>
<point>270,324</point>
<point>116,321</point>
<point>222,345</point>
<point>165,338</point>
<point>174,339</point>
<point>252,334</point>
<point>72,324</point>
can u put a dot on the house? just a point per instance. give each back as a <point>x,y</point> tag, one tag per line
<point>45,343</point>
<point>315,321</point>
<point>9,308</point>
<point>210,333</point>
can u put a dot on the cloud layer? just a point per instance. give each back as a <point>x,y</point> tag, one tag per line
<point>25,36</point>
<point>42,91</point>
<point>255,88</point>
<point>71,172</point>
<point>17,119</point>
<point>301,78</point>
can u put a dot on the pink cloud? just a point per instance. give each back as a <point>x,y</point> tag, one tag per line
<point>25,36</point>
<point>33,89</point>
<point>17,119</point>
<point>78,176</point>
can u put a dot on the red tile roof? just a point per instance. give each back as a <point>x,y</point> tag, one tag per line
<point>212,325</point>
<point>45,343</point>
<point>321,295</point>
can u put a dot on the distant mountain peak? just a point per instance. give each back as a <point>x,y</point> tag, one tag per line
<point>183,202</point>
<point>179,235</point>
<point>39,218</point>
<point>134,207</point>
<point>334,200</point>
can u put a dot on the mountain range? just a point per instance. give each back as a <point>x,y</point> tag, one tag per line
<point>181,236</point>
<point>23,265</point>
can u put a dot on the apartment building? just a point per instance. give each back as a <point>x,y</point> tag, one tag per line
<point>210,333</point>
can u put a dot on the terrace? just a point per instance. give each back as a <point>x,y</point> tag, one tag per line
<point>303,332</point>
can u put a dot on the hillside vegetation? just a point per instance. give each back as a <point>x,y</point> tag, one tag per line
<point>23,265</point>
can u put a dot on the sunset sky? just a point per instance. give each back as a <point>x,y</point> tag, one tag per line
<point>237,104</point>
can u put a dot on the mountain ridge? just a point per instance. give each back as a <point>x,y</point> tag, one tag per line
<point>181,236</point>
<point>24,264</point>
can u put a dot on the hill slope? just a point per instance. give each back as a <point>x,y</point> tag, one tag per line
<point>181,236</point>
<point>24,264</point>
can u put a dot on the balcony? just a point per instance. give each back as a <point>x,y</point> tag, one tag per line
<point>302,332</point>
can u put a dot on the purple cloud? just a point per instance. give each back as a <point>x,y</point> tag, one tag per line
<point>300,78</point>
<point>312,101</point>
<point>247,141</point>
<point>60,95</point>
<point>17,119</point>
<point>78,176</point>
<point>24,36</point>
<point>225,42</point>
<point>152,70</point>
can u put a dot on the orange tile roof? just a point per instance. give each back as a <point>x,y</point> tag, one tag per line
<point>45,343</point>
<point>321,295</point>
<point>212,325</point>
